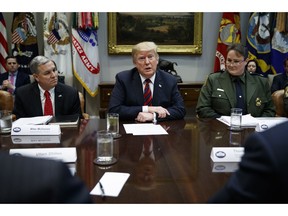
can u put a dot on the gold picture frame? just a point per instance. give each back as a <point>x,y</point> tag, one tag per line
<point>126,30</point>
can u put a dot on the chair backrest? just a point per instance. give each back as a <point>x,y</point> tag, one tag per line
<point>82,104</point>
<point>277,98</point>
<point>6,100</point>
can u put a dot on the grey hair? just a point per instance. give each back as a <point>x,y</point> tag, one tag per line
<point>36,62</point>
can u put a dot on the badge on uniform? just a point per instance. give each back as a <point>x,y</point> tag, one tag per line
<point>258,102</point>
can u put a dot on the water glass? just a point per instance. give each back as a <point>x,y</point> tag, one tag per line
<point>113,124</point>
<point>5,121</point>
<point>105,151</point>
<point>236,118</point>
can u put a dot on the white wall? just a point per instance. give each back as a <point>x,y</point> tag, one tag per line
<point>192,68</point>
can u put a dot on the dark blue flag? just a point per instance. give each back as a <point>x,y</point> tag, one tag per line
<point>24,39</point>
<point>259,40</point>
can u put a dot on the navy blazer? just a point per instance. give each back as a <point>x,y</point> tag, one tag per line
<point>33,180</point>
<point>262,175</point>
<point>127,95</point>
<point>21,79</point>
<point>279,82</point>
<point>28,101</point>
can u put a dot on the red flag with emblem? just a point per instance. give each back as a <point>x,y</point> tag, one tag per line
<point>229,33</point>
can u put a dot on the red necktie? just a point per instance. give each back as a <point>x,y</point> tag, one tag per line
<point>48,109</point>
<point>147,94</point>
<point>12,82</point>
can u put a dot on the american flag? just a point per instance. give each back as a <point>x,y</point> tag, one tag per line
<point>18,36</point>
<point>3,44</point>
<point>54,37</point>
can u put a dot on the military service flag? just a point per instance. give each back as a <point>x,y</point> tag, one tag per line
<point>57,44</point>
<point>279,43</point>
<point>229,33</point>
<point>259,41</point>
<point>86,64</point>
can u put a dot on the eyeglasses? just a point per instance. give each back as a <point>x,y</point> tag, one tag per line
<point>142,59</point>
<point>235,62</point>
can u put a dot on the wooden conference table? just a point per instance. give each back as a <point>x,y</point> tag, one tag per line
<point>180,170</point>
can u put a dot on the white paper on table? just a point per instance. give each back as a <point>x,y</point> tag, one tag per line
<point>112,183</point>
<point>144,129</point>
<point>265,123</point>
<point>247,120</point>
<point>38,120</point>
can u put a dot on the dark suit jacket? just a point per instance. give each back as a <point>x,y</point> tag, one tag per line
<point>262,175</point>
<point>279,82</point>
<point>127,95</point>
<point>31,180</point>
<point>21,79</point>
<point>28,102</point>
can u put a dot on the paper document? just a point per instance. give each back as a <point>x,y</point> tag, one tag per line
<point>112,183</point>
<point>38,120</point>
<point>144,129</point>
<point>265,123</point>
<point>247,120</point>
<point>67,155</point>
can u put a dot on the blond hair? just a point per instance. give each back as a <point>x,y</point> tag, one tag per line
<point>144,46</point>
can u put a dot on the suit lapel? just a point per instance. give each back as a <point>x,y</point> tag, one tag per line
<point>158,87</point>
<point>58,99</point>
<point>250,87</point>
<point>38,105</point>
<point>138,88</point>
<point>225,83</point>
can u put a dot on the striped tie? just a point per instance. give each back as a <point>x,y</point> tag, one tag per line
<point>147,93</point>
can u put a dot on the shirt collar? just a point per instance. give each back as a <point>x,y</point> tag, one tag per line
<point>151,78</point>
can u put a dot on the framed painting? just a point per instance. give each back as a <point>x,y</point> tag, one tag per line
<point>174,33</point>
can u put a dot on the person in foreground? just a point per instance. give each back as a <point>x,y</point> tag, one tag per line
<point>262,175</point>
<point>30,99</point>
<point>163,98</point>
<point>219,93</point>
<point>13,78</point>
<point>33,180</point>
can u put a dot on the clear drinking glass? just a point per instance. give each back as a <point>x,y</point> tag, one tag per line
<point>105,151</point>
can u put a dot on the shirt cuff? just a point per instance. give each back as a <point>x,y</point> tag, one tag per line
<point>145,109</point>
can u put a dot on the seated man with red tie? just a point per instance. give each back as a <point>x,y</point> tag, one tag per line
<point>146,92</point>
<point>13,78</point>
<point>46,96</point>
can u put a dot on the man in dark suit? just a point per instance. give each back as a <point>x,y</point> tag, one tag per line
<point>30,99</point>
<point>280,80</point>
<point>262,175</point>
<point>13,75</point>
<point>32,180</point>
<point>127,97</point>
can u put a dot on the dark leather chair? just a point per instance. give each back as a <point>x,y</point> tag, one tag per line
<point>82,104</point>
<point>6,100</point>
<point>277,98</point>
